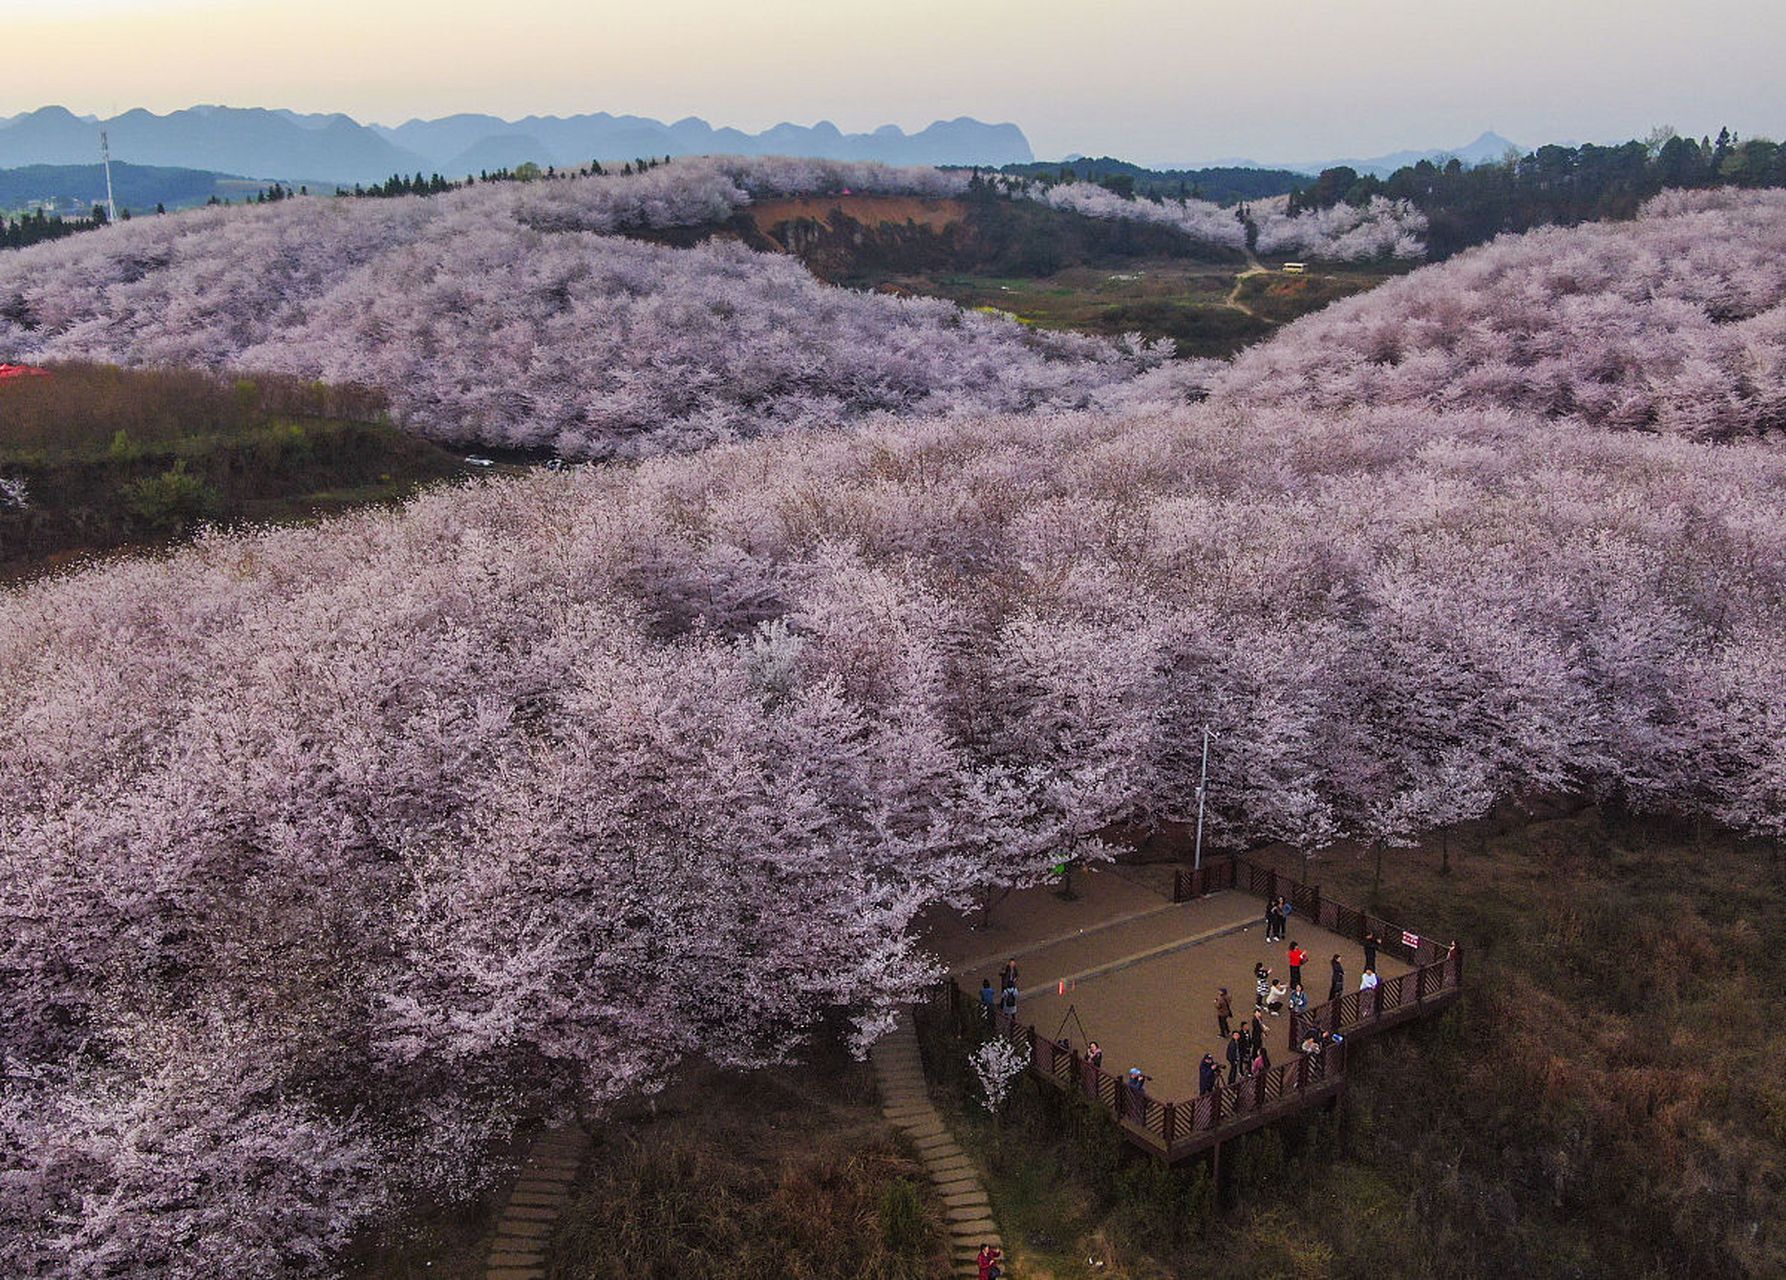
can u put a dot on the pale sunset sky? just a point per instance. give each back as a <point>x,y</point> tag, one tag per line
<point>1158,81</point>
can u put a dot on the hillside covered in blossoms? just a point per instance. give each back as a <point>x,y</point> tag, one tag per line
<point>1672,323</point>
<point>331,852</point>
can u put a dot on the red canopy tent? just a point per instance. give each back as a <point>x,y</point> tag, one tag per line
<point>10,371</point>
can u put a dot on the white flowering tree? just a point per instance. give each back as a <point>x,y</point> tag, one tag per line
<point>996,1065</point>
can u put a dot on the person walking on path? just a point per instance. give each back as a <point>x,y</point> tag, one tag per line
<point>1236,1055</point>
<point>1224,1009</point>
<point>1296,956</point>
<point>1009,977</point>
<point>988,1000</point>
<point>1007,1001</point>
<point>1206,1075</point>
<point>1339,979</point>
<point>1371,943</point>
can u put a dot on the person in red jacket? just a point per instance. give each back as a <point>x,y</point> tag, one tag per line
<point>1297,956</point>
<point>988,1262</point>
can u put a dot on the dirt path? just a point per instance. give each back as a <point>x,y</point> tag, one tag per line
<point>1253,268</point>
<point>906,1103</point>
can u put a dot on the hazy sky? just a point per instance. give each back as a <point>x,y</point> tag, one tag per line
<point>1155,80</point>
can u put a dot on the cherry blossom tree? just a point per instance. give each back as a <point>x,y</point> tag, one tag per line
<point>1198,219</point>
<point>1379,228</point>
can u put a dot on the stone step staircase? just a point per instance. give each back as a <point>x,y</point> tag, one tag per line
<point>538,1197</point>
<point>906,1103</point>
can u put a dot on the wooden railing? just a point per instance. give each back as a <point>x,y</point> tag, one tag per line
<point>1438,967</point>
<point>1171,1130</point>
<point>1174,1130</point>
<point>1391,1002</point>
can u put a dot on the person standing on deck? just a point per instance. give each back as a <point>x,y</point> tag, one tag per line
<point>1370,950</point>
<point>1236,1055</point>
<point>1009,977</point>
<point>1296,957</point>
<point>1206,1075</point>
<point>1339,979</point>
<point>1224,1009</point>
<point>1138,1095</point>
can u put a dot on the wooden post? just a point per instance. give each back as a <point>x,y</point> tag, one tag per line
<point>1420,985</point>
<point>1170,1125</point>
<point>1376,1001</point>
<point>1271,885</point>
<point>1215,1106</point>
<point>1259,1090</point>
<point>1301,1071</point>
<point>1178,885</point>
<point>1315,914</point>
<point>1457,963</point>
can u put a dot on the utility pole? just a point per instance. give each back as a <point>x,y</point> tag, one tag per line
<point>1202,794</point>
<point>105,153</point>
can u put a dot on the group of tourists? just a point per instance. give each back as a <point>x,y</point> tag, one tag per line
<point>1003,998</point>
<point>1245,1045</point>
<point>1247,1054</point>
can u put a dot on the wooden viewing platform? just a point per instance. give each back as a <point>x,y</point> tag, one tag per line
<point>1174,1131</point>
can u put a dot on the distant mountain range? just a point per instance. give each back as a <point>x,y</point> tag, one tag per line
<point>336,148</point>
<point>1485,149</point>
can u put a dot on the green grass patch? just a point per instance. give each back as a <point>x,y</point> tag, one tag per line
<point>113,459</point>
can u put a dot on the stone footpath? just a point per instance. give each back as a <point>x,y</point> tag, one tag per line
<point>906,1103</point>
<point>538,1197</point>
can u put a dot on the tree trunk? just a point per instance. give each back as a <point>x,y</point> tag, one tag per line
<point>1445,852</point>
<point>1377,877</point>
